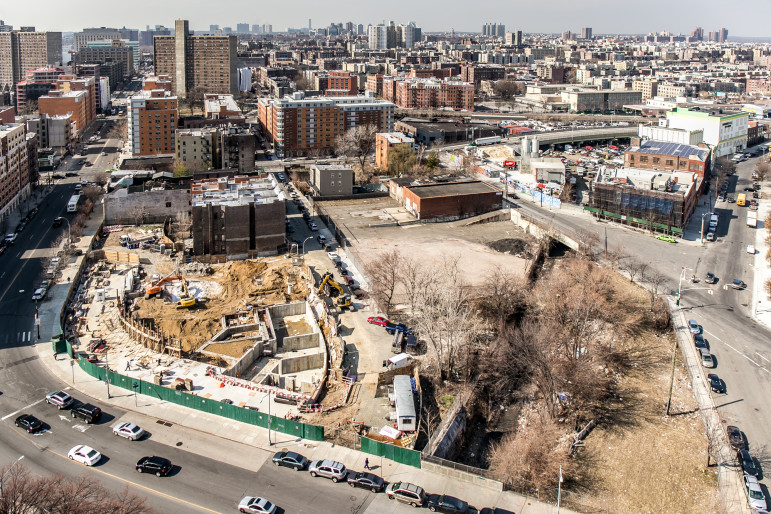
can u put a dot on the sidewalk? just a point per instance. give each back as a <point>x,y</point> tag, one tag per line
<point>212,426</point>
<point>761,301</point>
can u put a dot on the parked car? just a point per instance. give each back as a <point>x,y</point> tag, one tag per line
<point>710,278</point>
<point>377,320</point>
<point>130,431</point>
<point>87,412</point>
<point>707,360</point>
<point>59,398</point>
<point>70,174</point>
<point>84,454</point>
<point>699,342</point>
<point>313,227</point>
<point>11,238</point>
<point>715,383</point>
<point>39,294</point>
<point>321,239</point>
<point>333,256</point>
<point>738,284</point>
<point>29,423</point>
<point>20,227</point>
<point>445,503</point>
<point>57,222</point>
<point>406,493</point>
<point>328,469</point>
<point>747,463</point>
<point>755,496</point>
<point>256,505</point>
<point>736,438</point>
<point>157,465</point>
<point>693,327</point>
<point>668,239</point>
<point>366,481</point>
<point>290,460</point>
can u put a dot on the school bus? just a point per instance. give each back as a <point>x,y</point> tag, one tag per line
<point>741,200</point>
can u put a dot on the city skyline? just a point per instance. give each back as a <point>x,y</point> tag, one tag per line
<point>564,15</point>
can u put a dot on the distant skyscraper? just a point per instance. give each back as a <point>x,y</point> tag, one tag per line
<point>697,34</point>
<point>310,25</point>
<point>242,28</point>
<point>4,27</point>
<point>722,35</point>
<point>256,29</point>
<point>586,33</point>
<point>213,28</point>
<point>494,30</point>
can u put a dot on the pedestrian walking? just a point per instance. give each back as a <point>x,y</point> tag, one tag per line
<point>128,365</point>
<point>366,464</point>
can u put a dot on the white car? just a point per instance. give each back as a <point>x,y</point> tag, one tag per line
<point>751,249</point>
<point>85,455</point>
<point>255,504</point>
<point>39,294</point>
<point>128,430</point>
<point>755,496</point>
<point>313,226</point>
<point>333,256</point>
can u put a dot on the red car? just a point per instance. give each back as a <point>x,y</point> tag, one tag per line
<point>377,320</point>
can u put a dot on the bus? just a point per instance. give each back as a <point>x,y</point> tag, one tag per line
<point>72,205</point>
<point>741,200</point>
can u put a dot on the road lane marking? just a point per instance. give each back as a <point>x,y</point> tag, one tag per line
<point>743,355</point>
<point>756,353</point>
<point>18,411</point>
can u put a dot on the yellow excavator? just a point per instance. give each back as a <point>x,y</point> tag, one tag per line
<point>154,288</point>
<point>329,287</point>
<point>185,300</point>
<point>344,302</point>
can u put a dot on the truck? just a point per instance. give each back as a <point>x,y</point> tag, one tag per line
<point>127,240</point>
<point>481,141</point>
<point>752,219</point>
<point>72,205</point>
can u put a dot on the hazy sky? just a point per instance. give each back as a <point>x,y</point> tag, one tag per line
<point>740,17</point>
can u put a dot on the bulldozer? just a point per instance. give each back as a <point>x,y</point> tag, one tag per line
<point>329,287</point>
<point>154,288</point>
<point>185,300</point>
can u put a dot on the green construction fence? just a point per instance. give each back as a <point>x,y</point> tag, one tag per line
<point>389,451</point>
<point>234,412</point>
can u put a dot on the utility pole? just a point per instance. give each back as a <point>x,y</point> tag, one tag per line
<point>672,376</point>
<point>559,491</point>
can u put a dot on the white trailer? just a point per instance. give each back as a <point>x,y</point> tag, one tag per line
<point>752,219</point>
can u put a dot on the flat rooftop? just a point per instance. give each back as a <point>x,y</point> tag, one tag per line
<point>451,189</point>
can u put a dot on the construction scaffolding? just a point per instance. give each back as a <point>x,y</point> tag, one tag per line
<point>649,208</point>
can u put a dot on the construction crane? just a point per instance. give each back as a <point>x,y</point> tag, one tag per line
<point>154,288</point>
<point>185,300</point>
<point>334,288</point>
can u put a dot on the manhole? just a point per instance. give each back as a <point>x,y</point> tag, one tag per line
<point>179,443</point>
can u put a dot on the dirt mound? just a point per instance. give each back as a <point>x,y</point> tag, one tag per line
<point>512,246</point>
<point>257,283</point>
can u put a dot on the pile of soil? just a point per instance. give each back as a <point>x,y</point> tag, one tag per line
<point>512,246</point>
<point>257,283</point>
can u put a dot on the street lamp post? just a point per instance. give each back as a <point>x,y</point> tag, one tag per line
<point>702,227</point>
<point>309,237</point>
<point>2,479</point>
<point>680,283</point>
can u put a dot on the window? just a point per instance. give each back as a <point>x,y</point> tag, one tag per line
<point>168,204</point>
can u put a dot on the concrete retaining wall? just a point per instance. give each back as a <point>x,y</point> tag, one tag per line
<point>451,428</point>
<point>246,360</point>
<point>301,363</point>
<point>531,228</point>
<point>301,342</point>
<point>287,309</point>
<point>462,476</point>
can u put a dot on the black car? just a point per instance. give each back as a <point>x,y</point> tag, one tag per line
<point>87,412</point>
<point>29,423</point>
<point>157,465</point>
<point>57,176</point>
<point>70,174</point>
<point>736,438</point>
<point>20,227</point>
<point>366,481</point>
<point>750,189</point>
<point>57,222</point>
<point>711,278</point>
<point>290,460</point>
<point>699,342</point>
<point>747,463</point>
<point>716,384</point>
<point>444,503</point>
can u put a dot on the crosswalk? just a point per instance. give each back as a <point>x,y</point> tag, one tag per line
<point>20,337</point>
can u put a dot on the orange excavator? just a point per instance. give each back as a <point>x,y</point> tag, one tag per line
<point>154,288</point>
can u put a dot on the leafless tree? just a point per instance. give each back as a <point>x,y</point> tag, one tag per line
<point>655,280</point>
<point>118,130</point>
<point>587,242</point>
<point>721,169</point>
<point>502,296</point>
<point>357,142</point>
<point>634,267</point>
<point>414,277</point>
<point>761,170</point>
<point>92,193</point>
<point>383,272</point>
<point>102,178</point>
<point>24,493</point>
<point>615,256</point>
<point>138,213</point>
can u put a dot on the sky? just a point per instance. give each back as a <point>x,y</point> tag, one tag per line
<point>555,16</point>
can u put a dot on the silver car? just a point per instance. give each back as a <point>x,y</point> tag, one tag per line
<point>128,430</point>
<point>328,469</point>
<point>256,505</point>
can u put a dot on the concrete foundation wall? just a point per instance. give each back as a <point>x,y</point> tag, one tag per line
<point>301,363</point>
<point>287,309</point>
<point>462,476</point>
<point>121,208</point>
<point>531,228</point>
<point>301,342</point>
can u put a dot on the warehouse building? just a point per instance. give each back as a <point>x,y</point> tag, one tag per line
<point>451,200</point>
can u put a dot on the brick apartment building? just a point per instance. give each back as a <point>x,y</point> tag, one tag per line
<point>299,126</point>
<point>152,120</point>
<point>112,70</point>
<point>25,50</point>
<point>434,94</point>
<point>375,84</point>
<point>107,54</point>
<point>385,142</point>
<point>72,95</point>
<point>237,218</point>
<point>17,167</point>
<point>157,82</point>
<point>37,82</point>
<point>342,83</point>
<point>661,155</point>
<point>476,74</point>
<point>206,63</point>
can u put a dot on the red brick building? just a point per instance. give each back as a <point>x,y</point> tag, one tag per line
<point>662,155</point>
<point>434,94</point>
<point>476,74</point>
<point>451,200</point>
<point>342,83</point>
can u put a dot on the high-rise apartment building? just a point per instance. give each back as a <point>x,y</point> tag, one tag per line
<point>105,54</point>
<point>514,38</point>
<point>342,83</point>
<point>152,121</point>
<point>697,34</point>
<point>16,167</point>
<point>37,82</point>
<point>81,39</point>
<point>722,35</point>
<point>494,30</point>
<point>476,74</point>
<point>205,63</point>
<point>300,126</point>
<point>383,37</point>
<point>242,28</point>
<point>136,54</point>
<point>21,51</point>
<point>586,33</point>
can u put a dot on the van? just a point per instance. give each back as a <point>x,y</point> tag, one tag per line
<point>706,358</point>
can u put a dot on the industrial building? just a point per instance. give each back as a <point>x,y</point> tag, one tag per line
<point>724,132</point>
<point>331,179</point>
<point>655,200</point>
<point>450,200</point>
<point>237,217</point>
<point>661,155</point>
<point>427,132</point>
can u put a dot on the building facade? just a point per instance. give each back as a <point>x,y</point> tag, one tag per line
<point>602,100</point>
<point>197,149</point>
<point>107,54</point>
<point>197,62</point>
<point>15,167</point>
<point>451,200</point>
<point>237,147</point>
<point>331,179</point>
<point>37,82</point>
<point>299,126</point>
<point>387,141</point>
<point>476,74</point>
<point>434,94</point>
<point>21,51</point>
<point>725,133</point>
<point>342,83</point>
<point>55,132</point>
<point>152,121</point>
<point>660,155</point>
